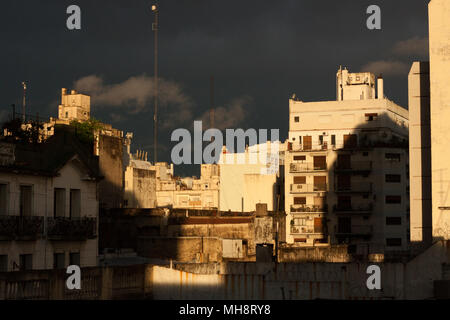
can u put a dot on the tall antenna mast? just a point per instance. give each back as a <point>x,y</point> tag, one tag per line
<point>155,10</point>
<point>24,85</point>
<point>211,111</point>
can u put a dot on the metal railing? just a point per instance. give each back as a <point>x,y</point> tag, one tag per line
<point>305,188</point>
<point>71,229</point>
<point>306,166</point>
<point>353,208</point>
<point>32,228</point>
<point>360,187</point>
<point>354,230</point>
<point>21,227</point>
<point>353,166</point>
<point>308,208</point>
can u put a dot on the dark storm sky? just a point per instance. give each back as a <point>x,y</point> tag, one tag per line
<point>260,52</point>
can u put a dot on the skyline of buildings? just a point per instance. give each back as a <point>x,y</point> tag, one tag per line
<point>359,181</point>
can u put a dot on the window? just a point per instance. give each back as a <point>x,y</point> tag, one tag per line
<point>26,262</point>
<point>320,140</point>
<point>344,202</point>
<point>350,140</point>
<point>371,116</point>
<point>320,183</point>
<point>333,139</point>
<point>393,178</point>
<point>320,162</point>
<point>26,193</point>
<point>365,154</point>
<point>59,260</point>
<point>344,182</point>
<point>3,262</point>
<point>75,258</point>
<point>297,119</point>
<point>393,221</point>
<point>394,242</point>
<point>300,180</point>
<point>3,199</point>
<point>300,139</point>
<point>392,156</point>
<point>59,202</point>
<point>393,199</point>
<point>344,161</point>
<point>299,200</point>
<point>299,158</point>
<point>75,203</point>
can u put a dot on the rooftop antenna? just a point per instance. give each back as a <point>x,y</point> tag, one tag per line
<point>155,10</point>
<point>24,85</point>
<point>211,112</point>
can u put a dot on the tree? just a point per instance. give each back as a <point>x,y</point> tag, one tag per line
<point>85,130</point>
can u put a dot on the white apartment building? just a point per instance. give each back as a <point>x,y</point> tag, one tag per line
<point>48,207</point>
<point>251,177</point>
<point>346,169</point>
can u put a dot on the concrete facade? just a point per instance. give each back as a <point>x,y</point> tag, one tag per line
<point>245,181</point>
<point>439,40</point>
<point>420,153</point>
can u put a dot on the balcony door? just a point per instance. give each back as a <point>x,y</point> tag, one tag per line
<point>26,199</point>
<point>307,142</point>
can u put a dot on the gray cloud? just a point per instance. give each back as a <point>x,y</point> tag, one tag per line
<point>136,95</point>
<point>386,67</point>
<point>229,116</point>
<point>415,46</point>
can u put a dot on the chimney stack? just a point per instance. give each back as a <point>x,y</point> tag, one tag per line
<point>380,88</point>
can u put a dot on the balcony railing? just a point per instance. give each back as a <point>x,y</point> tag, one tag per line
<point>308,188</point>
<point>301,229</point>
<point>308,147</point>
<point>353,166</point>
<point>361,187</point>
<point>308,208</point>
<point>21,227</point>
<point>353,208</point>
<point>306,167</point>
<point>354,230</point>
<point>32,228</point>
<point>72,229</point>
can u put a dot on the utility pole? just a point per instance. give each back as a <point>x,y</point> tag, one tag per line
<point>155,10</point>
<point>24,85</point>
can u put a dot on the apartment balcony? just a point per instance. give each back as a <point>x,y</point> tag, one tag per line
<point>353,209</point>
<point>309,208</point>
<point>305,230</point>
<point>353,231</point>
<point>71,229</point>
<point>354,167</point>
<point>361,187</point>
<point>308,147</point>
<point>307,167</point>
<point>308,188</point>
<point>21,228</point>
